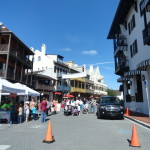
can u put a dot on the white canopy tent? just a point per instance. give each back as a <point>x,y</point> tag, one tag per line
<point>29,91</point>
<point>7,87</point>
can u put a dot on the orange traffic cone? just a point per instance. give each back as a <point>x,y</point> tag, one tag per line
<point>127,112</point>
<point>134,138</point>
<point>49,138</point>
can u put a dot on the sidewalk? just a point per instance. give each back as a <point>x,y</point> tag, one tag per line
<point>139,118</point>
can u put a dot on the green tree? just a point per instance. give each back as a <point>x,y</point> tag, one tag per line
<point>111,92</point>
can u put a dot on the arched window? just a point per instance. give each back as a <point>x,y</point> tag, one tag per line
<point>39,58</point>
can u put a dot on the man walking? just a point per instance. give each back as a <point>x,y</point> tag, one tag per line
<point>43,110</point>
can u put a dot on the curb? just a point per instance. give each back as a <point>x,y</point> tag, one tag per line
<point>139,122</point>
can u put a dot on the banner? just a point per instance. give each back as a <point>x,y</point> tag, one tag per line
<point>74,75</point>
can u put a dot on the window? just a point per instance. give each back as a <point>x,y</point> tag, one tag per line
<point>133,48</point>
<point>131,24</point>
<point>39,58</point>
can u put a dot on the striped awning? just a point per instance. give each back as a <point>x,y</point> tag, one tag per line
<point>121,79</point>
<point>132,73</point>
<point>143,65</point>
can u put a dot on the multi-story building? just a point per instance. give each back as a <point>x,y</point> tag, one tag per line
<point>130,31</point>
<point>14,58</point>
<point>47,71</point>
<point>99,88</point>
<point>91,85</point>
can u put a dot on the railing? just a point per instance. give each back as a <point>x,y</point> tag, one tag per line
<point>120,45</point>
<point>3,47</point>
<point>13,50</point>
<point>43,87</point>
<point>19,55</point>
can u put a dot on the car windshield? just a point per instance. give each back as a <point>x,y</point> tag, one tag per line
<point>109,100</point>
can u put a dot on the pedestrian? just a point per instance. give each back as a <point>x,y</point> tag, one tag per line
<point>34,112</point>
<point>27,111</point>
<point>12,112</point>
<point>20,113</point>
<point>62,106</point>
<point>43,110</point>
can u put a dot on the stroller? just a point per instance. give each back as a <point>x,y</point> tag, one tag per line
<point>85,110</point>
<point>75,111</point>
<point>68,110</point>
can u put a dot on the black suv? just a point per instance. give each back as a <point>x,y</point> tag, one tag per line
<point>110,106</point>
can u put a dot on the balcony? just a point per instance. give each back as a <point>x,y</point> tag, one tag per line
<point>18,77</point>
<point>13,50</point>
<point>59,74</point>
<point>43,87</point>
<point>146,35</point>
<point>3,47</point>
<point>121,68</point>
<point>120,45</point>
<point>144,4</point>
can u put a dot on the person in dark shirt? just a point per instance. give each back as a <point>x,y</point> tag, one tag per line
<point>43,106</point>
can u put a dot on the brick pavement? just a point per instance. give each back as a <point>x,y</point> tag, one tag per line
<point>139,118</point>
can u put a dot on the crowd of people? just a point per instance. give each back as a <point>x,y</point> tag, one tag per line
<point>33,110</point>
<point>30,110</point>
<point>82,105</point>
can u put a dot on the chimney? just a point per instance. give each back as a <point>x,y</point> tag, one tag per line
<point>43,49</point>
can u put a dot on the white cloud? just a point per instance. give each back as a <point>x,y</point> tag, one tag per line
<point>90,52</point>
<point>67,49</point>
<point>102,63</point>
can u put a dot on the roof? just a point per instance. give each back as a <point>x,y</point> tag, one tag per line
<point>10,32</point>
<point>121,13</point>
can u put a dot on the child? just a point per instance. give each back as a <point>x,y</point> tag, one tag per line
<point>34,112</point>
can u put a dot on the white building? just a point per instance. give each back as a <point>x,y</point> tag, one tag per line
<point>130,31</point>
<point>50,69</point>
<point>99,87</point>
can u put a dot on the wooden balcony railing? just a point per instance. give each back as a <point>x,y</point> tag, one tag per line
<point>3,47</point>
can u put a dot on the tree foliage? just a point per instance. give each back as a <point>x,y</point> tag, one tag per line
<point>111,92</point>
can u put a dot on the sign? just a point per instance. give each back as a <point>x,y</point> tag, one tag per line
<point>12,95</point>
<point>5,115</point>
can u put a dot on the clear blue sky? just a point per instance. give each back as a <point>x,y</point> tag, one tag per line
<point>75,29</point>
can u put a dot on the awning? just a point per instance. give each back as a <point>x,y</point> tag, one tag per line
<point>29,91</point>
<point>143,65</point>
<point>8,87</point>
<point>132,73</point>
<point>121,79</point>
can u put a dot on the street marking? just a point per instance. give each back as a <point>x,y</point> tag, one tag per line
<point>124,131</point>
<point>34,126</point>
<point>4,147</point>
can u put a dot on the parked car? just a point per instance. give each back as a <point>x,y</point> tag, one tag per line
<point>110,106</point>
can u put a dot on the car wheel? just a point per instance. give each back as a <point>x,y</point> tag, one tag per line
<point>98,116</point>
<point>122,117</point>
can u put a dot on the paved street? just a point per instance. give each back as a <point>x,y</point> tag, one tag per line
<point>84,132</point>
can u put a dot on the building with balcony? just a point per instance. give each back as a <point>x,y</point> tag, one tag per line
<point>99,88</point>
<point>91,85</point>
<point>130,31</point>
<point>48,71</point>
<point>14,58</point>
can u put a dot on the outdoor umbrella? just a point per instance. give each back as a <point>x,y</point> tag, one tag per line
<point>69,96</point>
<point>57,93</point>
